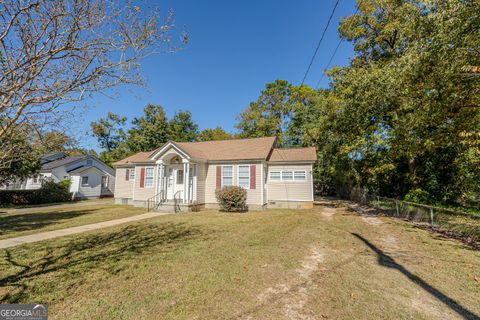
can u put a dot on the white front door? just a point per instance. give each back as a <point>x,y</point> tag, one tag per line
<point>175,181</point>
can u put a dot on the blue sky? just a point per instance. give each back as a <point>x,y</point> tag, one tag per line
<point>235,48</point>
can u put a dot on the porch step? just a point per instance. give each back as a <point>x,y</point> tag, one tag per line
<point>169,206</point>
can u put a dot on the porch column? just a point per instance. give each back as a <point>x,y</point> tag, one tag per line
<point>188,182</point>
<point>184,182</point>
<point>160,181</point>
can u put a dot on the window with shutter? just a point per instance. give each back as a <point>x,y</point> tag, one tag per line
<point>142,177</point>
<point>227,176</point>
<point>244,176</point>
<point>219,177</point>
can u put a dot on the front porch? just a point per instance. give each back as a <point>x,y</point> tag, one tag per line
<point>176,182</point>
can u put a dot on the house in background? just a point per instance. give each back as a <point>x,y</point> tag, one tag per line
<point>188,173</point>
<point>90,178</point>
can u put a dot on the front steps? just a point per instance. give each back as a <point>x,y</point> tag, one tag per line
<point>169,206</point>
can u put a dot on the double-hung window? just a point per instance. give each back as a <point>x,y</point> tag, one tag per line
<point>132,174</point>
<point>227,176</point>
<point>299,175</point>
<point>84,181</point>
<point>275,176</point>
<point>287,175</point>
<point>244,176</point>
<point>148,177</point>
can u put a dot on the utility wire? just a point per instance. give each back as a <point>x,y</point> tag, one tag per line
<point>335,51</point>
<point>320,42</point>
<point>329,62</point>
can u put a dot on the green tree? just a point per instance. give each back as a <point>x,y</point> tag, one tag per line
<point>149,131</point>
<point>182,128</point>
<point>214,134</point>
<point>407,97</point>
<point>18,158</point>
<point>109,131</point>
<point>271,114</point>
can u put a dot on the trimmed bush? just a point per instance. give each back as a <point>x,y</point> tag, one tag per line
<point>232,199</point>
<point>48,193</point>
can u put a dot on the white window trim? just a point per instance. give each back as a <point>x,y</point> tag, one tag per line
<point>131,174</point>
<point>249,175</point>
<point>293,176</point>
<point>304,174</point>
<point>280,175</point>
<point>233,181</point>
<point>81,181</point>
<point>153,178</point>
<point>287,171</point>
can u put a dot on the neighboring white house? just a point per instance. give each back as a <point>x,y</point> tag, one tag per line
<point>188,173</point>
<point>90,178</point>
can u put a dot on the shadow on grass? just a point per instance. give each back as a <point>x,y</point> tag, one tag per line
<point>75,259</point>
<point>32,221</point>
<point>387,261</point>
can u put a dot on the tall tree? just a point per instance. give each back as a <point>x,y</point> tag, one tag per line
<point>271,114</point>
<point>214,134</point>
<point>150,130</point>
<point>109,131</point>
<point>182,128</point>
<point>410,94</point>
<point>53,53</point>
<point>18,158</point>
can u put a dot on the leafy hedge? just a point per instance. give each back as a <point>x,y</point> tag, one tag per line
<point>48,193</point>
<point>232,199</point>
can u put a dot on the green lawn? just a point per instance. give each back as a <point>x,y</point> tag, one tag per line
<point>34,206</point>
<point>47,219</point>
<point>278,264</point>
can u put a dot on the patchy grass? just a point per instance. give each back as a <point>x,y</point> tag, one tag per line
<point>39,205</point>
<point>23,223</point>
<point>279,264</point>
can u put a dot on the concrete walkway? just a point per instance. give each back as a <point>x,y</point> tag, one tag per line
<point>12,242</point>
<point>58,206</point>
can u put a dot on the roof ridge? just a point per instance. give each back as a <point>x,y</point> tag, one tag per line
<point>225,140</point>
<point>289,148</point>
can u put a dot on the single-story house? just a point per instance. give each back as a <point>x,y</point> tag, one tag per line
<point>188,173</point>
<point>90,177</point>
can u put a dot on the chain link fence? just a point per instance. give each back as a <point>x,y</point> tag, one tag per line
<point>450,222</point>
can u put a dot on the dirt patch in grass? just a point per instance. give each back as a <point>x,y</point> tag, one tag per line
<point>277,264</point>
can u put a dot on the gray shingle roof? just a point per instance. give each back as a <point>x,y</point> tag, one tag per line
<point>51,156</point>
<point>57,163</point>
<point>83,168</point>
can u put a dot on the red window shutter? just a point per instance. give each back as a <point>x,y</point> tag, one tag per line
<point>127,174</point>
<point>219,177</point>
<point>142,177</point>
<point>253,176</point>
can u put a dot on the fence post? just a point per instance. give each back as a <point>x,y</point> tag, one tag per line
<point>431,216</point>
<point>396,207</point>
<point>378,202</point>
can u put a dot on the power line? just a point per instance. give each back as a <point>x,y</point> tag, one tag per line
<point>329,62</point>
<point>320,42</point>
<point>336,48</point>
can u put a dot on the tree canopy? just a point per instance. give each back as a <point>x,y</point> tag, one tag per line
<point>404,116</point>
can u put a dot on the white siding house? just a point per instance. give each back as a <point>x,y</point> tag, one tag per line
<point>98,178</point>
<point>191,172</point>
